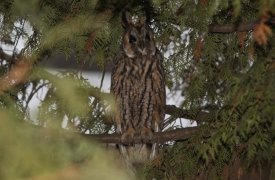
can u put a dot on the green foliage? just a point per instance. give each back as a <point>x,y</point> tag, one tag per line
<point>227,75</point>
<point>82,111</point>
<point>28,152</point>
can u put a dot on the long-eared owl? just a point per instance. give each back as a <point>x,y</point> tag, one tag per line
<point>138,85</point>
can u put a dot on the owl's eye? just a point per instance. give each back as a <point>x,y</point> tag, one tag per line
<point>132,39</point>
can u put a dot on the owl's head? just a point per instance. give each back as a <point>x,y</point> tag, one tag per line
<point>137,38</point>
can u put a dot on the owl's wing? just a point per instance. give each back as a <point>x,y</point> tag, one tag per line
<point>159,57</point>
<point>161,89</point>
<point>115,62</point>
<point>115,88</point>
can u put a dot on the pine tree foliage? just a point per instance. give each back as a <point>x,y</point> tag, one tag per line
<point>220,54</point>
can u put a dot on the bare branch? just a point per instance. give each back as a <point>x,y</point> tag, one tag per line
<point>181,113</point>
<point>159,137</point>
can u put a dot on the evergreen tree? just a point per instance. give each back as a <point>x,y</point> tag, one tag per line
<point>221,58</point>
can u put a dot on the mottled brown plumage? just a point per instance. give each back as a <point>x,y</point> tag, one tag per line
<point>138,85</point>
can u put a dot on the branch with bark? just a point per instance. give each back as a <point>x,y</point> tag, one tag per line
<point>182,113</point>
<point>241,27</point>
<point>158,137</point>
<point>180,134</point>
<point>246,26</point>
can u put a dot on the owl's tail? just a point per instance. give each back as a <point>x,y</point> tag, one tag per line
<point>138,154</point>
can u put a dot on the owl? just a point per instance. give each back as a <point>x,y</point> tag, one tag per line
<point>138,85</point>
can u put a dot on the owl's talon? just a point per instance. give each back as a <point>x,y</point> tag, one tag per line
<point>146,135</point>
<point>128,136</point>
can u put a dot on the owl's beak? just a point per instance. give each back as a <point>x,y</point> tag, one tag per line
<point>142,51</point>
<point>142,45</point>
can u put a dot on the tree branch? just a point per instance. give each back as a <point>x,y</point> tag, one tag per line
<point>244,26</point>
<point>159,137</point>
<point>233,28</point>
<point>181,113</point>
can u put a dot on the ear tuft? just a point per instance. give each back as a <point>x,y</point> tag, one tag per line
<point>126,19</point>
